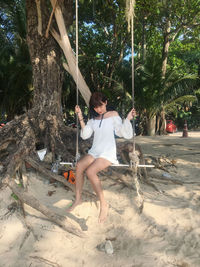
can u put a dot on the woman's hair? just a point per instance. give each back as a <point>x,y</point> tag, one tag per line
<point>96,100</point>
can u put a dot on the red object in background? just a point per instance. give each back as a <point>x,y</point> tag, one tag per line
<point>2,124</point>
<point>171,127</point>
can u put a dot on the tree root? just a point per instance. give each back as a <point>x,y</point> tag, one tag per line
<point>50,175</point>
<point>119,180</point>
<point>45,261</point>
<point>167,180</point>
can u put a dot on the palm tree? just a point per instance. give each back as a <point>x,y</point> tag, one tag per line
<point>154,94</point>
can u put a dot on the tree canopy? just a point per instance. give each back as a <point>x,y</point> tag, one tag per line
<point>166,35</point>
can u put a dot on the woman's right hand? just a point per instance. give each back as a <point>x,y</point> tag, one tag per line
<point>78,112</point>
<point>131,114</point>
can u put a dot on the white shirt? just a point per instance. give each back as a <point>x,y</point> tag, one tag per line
<point>104,144</point>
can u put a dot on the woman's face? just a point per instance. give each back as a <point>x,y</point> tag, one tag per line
<point>101,109</point>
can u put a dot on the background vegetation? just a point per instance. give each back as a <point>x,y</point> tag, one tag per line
<point>167,59</point>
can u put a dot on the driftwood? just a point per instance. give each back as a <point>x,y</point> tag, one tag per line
<point>34,203</point>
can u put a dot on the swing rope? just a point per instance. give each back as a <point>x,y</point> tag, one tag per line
<point>134,164</point>
<point>135,160</point>
<point>132,75</point>
<point>77,93</point>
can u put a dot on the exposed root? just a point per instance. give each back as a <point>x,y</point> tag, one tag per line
<point>50,175</point>
<point>23,141</point>
<point>167,180</point>
<point>45,261</point>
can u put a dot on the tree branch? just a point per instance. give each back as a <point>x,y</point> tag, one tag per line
<point>39,17</point>
<point>50,19</point>
<point>66,47</point>
<point>34,203</point>
<point>66,67</point>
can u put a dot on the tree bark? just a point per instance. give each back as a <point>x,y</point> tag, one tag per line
<point>144,44</point>
<point>163,122</point>
<point>166,45</point>
<point>47,75</point>
<point>46,61</point>
<point>151,126</point>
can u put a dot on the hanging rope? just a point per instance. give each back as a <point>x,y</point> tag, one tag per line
<point>134,157</point>
<point>130,5</point>
<point>132,70</point>
<point>77,80</point>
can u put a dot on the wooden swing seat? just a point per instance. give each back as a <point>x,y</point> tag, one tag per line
<point>114,165</point>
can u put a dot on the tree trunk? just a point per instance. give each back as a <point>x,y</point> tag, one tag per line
<point>151,123</point>
<point>166,45</point>
<point>158,118</point>
<point>163,123</point>
<point>46,60</point>
<point>43,123</point>
<point>45,54</point>
<point>144,44</point>
<point>47,71</point>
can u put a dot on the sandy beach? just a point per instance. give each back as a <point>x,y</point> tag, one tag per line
<point>165,234</point>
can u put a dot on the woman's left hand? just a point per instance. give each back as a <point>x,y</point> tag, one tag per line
<point>131,114</point>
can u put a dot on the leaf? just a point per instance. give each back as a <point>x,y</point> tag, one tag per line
<point>14,196</point>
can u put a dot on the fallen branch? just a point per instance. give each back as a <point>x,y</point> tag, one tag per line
<point>173,181</point>
<point>34,203</point>
<point>51,263</point>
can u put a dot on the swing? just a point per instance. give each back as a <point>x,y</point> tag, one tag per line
<point>77,157</point>
<point>134,163</point>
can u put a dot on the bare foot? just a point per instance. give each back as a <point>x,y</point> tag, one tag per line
<point>103,213</point>
<point>72,206</point>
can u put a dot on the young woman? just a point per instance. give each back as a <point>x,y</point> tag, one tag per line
<point>104,124</point>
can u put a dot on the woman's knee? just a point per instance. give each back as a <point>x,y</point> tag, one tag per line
<point>90,173</point>
<point>80,167</point>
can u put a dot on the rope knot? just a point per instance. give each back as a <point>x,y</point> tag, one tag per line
<point>134,160</point>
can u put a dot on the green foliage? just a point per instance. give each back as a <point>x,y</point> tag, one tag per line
<point>104,53</point>
<point>154,93</point>
<point>15,68</point>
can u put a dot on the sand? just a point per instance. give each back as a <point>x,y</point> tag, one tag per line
<point>166,233</point>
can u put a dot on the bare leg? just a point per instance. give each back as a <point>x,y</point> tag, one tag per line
<point>98,165</point>
<point>80,168</point>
